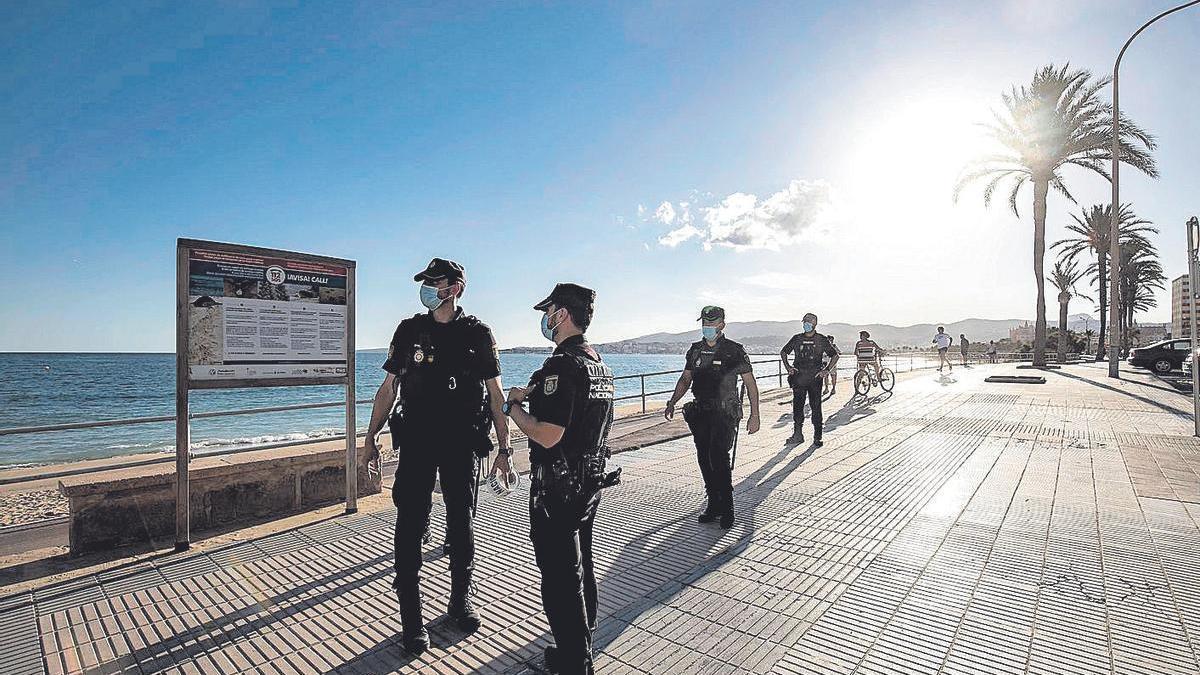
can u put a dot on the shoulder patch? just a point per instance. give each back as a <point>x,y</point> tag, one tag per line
<point>550,384</point>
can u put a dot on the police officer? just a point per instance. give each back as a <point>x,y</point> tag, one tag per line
<point>443,374</point>
<point>806,374</point>
<point>570,411</point>
<point>711,368</point>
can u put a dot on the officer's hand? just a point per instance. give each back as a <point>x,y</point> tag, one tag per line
<point>371,446</point>
<point>502,466</point>
<point>753,423</point>
<point>516,394</point>
<point>669,412</point>
<point>791,370</point>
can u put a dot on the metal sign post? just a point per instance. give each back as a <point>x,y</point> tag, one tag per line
<point>257,317</point>
<point>1193,236</point>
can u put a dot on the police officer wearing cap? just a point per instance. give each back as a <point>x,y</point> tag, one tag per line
<point>570,411</point>
<point>443,380</point>
<point>712,368</point>
<point>806,375</point>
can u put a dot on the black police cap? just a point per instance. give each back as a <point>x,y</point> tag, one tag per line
<point>568,295</point>
<point>440,268</point>
<point>712,313</point>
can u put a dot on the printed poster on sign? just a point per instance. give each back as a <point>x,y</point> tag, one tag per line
<point>259,317</point>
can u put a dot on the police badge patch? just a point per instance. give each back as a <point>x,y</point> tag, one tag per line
<point>550,385</point>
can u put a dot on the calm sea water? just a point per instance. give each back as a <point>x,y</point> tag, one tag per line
<point>39,389</point>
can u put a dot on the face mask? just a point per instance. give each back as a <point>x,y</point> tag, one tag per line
<point>709,332</point>
<point>547,329</point>
<point>808,327</point>
<point>429,297</point>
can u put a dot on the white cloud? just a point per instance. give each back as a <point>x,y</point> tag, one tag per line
<point>742,221</point>
<point>665,213</point>
<point>679,235</point>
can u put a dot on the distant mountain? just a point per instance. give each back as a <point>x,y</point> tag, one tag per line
<point>770,336</point>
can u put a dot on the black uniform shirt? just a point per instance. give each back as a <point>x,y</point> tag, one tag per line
<point>573,389</point>
<point>715,368</point>
<point>442,366</point>
<point>809,351</point>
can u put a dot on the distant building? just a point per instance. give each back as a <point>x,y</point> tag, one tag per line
<point>1022,333</point>
<point>1149,333</point>
<point>1181,311</point>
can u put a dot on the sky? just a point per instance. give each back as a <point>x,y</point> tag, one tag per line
<point>774,158</point>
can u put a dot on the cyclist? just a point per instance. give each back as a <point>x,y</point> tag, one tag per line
<point>868,352</point>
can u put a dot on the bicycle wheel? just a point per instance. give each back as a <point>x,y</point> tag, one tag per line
<point>887,379</point>
<point>862,383</point>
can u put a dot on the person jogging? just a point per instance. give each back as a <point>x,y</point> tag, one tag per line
<point>943,342</point>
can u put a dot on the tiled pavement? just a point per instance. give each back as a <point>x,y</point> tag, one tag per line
<point>954,527</point>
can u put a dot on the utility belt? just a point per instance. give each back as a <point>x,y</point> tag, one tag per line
<point>730,407</point>
<point>564,482</point>
<point>475,435</point>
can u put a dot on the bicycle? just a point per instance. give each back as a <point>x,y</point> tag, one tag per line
<point>867,377</point>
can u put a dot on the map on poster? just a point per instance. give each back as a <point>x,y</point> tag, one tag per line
<point>259,317</point>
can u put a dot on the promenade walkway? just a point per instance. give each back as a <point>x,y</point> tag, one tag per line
<point>953,527</point>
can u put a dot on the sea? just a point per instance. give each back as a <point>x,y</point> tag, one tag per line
<point>55,388</point>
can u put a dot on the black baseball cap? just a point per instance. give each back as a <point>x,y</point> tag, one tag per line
<point>440,268</point>
<point>568,295</point>
<point>712,313</point>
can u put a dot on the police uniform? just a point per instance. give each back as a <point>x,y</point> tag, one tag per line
<point>809,350</point>
<point>714,413</point>
<point>441,423</point>
<point>573,389</point>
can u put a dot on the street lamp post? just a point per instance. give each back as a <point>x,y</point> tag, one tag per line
<point>1193,237</point>
<point>1114,255</point>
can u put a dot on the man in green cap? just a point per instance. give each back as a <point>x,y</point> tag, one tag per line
<point>711,369</point>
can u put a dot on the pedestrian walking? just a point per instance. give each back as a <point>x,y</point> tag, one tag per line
<point>963,346</point>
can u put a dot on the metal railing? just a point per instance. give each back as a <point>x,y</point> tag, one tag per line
<point>915,360</point>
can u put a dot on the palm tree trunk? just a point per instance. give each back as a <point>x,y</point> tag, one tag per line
<point>1041,186</point>
<point>1063,299</point>
<point>1102,273</point>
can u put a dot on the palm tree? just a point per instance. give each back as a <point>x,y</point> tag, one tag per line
<point>1140,275</point>
<point>1066,274</point>
<point>1088,335</point>
<point>1058,120</point>
<point>1093,235</point>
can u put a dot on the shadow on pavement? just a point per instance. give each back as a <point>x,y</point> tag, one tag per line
<point>1148,401</point>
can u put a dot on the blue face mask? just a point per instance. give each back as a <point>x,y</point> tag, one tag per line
<point>429,297</point>
<point>709,332</point>
<point>808,327</point>
<point>547,331</point>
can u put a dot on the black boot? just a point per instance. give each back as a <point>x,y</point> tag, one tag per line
<point>414,637</point>
<point>727,510</point>
<point>817,442</point>
<point>797,436</point>
<point>712,509</point>
<point>460,608</point>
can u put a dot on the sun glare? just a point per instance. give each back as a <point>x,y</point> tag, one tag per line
<point>912,151</point>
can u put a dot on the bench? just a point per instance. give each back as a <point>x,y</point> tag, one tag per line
<point>134,505</point>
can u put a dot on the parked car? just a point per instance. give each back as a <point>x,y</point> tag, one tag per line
<point>1161,357</point>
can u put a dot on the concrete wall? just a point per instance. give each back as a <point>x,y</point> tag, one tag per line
<point>115,508</point>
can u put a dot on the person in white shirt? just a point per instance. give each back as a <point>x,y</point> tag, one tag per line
<point>943,342</point>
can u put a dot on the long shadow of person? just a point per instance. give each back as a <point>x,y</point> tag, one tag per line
<point>653,560</point>
<point>855,409</point>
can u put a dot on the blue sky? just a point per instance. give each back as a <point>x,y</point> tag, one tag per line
<point>534,142</point>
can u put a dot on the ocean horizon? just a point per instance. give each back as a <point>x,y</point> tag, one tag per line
<point>42,388</point>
